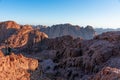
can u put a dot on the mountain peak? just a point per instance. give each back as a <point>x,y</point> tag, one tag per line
<point>10,24</point>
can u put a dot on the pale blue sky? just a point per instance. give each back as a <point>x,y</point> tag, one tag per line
<point>98,13</point>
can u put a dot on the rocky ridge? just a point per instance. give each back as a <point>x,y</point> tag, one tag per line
<point>23,37</point>
<point>67,29</point>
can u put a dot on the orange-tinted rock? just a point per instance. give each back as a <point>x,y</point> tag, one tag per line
<point>20,36</point>
<point>1,54</point>
<point>7,29</point>
<point>26,38</point>
<point>10,24</point>
<point>14,67</point>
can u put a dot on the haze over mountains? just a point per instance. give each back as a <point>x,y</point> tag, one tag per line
<point>101,30</point>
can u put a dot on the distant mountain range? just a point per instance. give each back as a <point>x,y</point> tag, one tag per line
<point>74,30</point>
<point>54,31</point>
<point>67,29</point>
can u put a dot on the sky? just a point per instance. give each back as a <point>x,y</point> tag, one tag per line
<point>97,13</point>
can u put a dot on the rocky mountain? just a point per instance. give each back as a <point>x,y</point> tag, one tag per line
<point>66,58</point>
<point>16,36</point>
<point>7,28</point>
<point>60,58</point>
<point>68,29</point>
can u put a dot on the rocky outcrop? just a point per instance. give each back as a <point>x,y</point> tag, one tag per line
<point>14,67</point>
<point>7,29</point>
<point>109,36</point>
<point>20,37</point>
<point>107,73</point>
<point>68,29</point>
<point>26,37</point>
<point>60,43</point>
<point>75,59</point>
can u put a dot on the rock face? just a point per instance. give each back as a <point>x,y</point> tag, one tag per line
<point>75,59</point>
<point>60,43</point>
<point>14,67</point>
<point>68,29</point>
<point>17,36</point>
<point>7,29</point>
<point>26,38</point>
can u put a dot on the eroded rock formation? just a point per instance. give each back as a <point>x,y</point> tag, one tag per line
<point>83,60</point>
<point>17,36</point>
<point>26,37</point>
<point>7,29</point>
<point>14,67</point>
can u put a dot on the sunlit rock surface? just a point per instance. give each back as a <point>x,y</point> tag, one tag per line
<point>15,67</point>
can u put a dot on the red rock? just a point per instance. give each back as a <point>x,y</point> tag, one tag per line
<point>14,67</point>
<point>7,29</point>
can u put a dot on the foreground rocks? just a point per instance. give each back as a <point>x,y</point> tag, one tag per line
<point>66,58</point>
<point>77,59</point>
<point>15,67</point>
